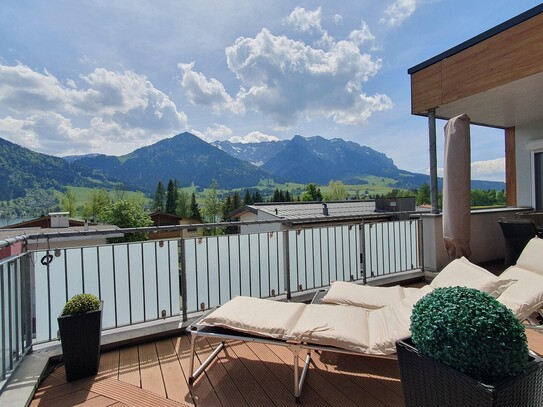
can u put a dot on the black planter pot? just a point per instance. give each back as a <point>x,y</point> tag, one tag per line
<point>427,382</point>
<point>80,336</point>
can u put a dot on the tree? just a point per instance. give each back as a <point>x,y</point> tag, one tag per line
<point>231,203</point>
<point>183,204</point>
<point>312,193</point>
<point>212,207</point>
<point>194,212</point>
<point>336,191</point>
<point>288,197</point>
<point>423,195</point>
<point>500,197</point>
<point>127,214</point>
<point>159,203</point>
<point>69,202</point>
<point>236,201</point>
<point>248,198</point>
<point>118,192</point>
<point>98,201</point>
<point>171,197</point>
<point>257,197</point>
<point>138,199</point>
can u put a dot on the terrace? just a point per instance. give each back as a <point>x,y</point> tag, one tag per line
<point>152,289</point>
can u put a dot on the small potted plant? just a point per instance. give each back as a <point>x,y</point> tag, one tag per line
<point>80,328</point>
<point>467,349</point>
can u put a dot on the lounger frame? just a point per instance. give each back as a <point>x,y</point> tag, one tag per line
<point>225,335</point>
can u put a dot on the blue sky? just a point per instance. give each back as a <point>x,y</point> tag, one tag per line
<point>80,77</point>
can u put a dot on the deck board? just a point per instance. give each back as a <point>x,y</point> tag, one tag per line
<point>315,380</point>
<point>251,389</point>
<point>150,371</point>
<point>223,383</point>
<point>202,392</point>
<point>258,372</point>
<point>175,381</point>
<point>109,364</point>
<point>250,374</point>
<point>129,366</point>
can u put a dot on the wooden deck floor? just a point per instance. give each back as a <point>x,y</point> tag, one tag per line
<point>155,374</point>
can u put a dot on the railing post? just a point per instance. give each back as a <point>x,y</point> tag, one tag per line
<point>421,243</point>
<point>26,300</point>
<point>183,277</point>
<point>3,330</point>
<point>362,256</point>
<point>286,257</point>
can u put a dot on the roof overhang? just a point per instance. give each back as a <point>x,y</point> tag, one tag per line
<point>495,78</point>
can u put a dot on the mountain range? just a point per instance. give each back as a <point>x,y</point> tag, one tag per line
<point>192,161</point>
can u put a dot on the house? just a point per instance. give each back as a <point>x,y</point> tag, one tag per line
<point>286,215</point>
<point>168,219</point>
<point>69,232</point>
<point>496,78</point>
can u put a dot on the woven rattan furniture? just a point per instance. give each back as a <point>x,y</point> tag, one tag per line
<point>427,382</point>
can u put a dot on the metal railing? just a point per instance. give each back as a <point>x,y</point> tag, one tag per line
<point>150,280</point>
<point>15,311</point>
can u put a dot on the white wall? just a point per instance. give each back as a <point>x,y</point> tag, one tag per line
<point>486,238</point>
<point>259,228</point>
<point>526,135</point>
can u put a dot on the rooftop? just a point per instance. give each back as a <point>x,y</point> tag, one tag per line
<point>307,211</point>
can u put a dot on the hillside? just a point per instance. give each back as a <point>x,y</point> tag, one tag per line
<point>318,160</point>
<point>184,157</point>
<point>191,160</point>
<point>314,159</point>
<point>22,169</point>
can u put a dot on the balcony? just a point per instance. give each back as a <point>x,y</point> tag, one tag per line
<point>155,374</point>
<point>152,289</point>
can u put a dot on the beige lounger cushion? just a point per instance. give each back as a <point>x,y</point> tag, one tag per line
<point>526,294</point>
<point>257,316</point>
<point>461,272</point>
<point>532,256</point>
<point>414,294</point>
<point>346,293</point>
<point>333,325</point>
<point>387,325</point>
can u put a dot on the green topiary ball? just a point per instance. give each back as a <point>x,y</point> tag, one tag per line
<point>81,303</point>
<point>470,331</point>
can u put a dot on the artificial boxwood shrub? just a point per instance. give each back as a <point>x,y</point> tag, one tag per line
<point>470,331</point>
<point>81,303</point>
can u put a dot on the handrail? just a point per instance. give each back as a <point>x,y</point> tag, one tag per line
<point>291,223</point>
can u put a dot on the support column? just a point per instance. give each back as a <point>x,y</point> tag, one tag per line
<point>433,159</point>
<point>510,168</point>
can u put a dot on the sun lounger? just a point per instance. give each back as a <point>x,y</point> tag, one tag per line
<point>300,328</point>
<point>359,320</point>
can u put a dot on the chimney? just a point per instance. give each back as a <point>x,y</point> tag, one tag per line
<point>60,219</point>
<point>324,209</point>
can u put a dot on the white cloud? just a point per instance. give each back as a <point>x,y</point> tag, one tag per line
<point>398,11</point>
<point>253,137</point>
<point>202,91</point>
<point>217,132</point>
<point>489,170</point>
<point>304,20</point>
<point>24,90</point>
<point>338,18</point>
<point>122,110</point>
<point>290,80</point>
<point>30,131</point>
<point>362,35</point>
